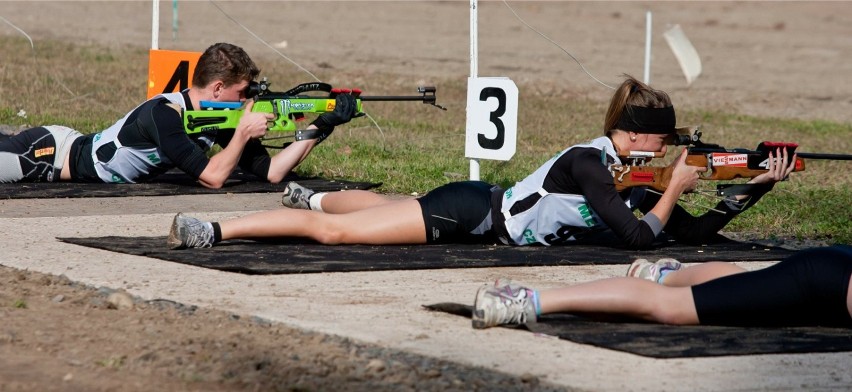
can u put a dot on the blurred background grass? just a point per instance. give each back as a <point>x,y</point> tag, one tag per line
<point>417,147</point>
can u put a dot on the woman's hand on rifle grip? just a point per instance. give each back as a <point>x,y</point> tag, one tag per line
<point>684,176</point>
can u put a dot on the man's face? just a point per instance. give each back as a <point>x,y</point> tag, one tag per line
<point>233,93</point>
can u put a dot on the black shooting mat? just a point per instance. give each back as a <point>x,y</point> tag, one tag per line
<point>169,184</point>
<point>669,341</point>
<point>290,256</point>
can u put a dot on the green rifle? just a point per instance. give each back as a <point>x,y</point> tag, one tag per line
<point>288,107</point>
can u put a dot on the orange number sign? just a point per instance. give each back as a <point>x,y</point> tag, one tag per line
<point>170,70</point>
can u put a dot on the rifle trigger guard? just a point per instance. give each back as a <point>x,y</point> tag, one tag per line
<point>708,174</point>
<point>275,114</point>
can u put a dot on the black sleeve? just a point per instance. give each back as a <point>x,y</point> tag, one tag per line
<point>254,159</point>
<point>692,230</point>
<point>167,130</point>
<point>580,171</point>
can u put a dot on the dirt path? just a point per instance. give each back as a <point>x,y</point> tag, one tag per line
<point>57,335</point>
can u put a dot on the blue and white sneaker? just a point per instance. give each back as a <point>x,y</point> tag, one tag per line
<point>644,269</point>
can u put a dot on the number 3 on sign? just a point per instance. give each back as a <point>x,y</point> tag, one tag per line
<point>492,118</point>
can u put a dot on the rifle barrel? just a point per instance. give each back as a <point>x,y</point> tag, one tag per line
<point>836,157</point>
<point>804,155</point>
<point>398,98</point>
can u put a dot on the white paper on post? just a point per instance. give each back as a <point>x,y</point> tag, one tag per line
<point>685,53</point>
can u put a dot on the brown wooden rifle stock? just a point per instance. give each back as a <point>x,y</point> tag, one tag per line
<point>721,164</point>
<point>658,178</point>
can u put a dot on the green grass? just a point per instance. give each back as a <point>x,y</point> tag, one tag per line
<point>419,146</point>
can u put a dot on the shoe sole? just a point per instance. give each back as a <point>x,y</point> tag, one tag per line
<point>478,317</point>
<point>632,270</point>
<point>287,196</point>
<point>173,241</point>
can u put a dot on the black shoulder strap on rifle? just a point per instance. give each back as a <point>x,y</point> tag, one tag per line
<point>741,189</point>
<point>305,87</point>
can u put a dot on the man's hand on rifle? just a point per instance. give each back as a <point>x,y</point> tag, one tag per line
<point>345,108</point>
<point>254,124</point>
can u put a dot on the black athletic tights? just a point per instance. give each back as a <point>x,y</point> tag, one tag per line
<point>807,288</point>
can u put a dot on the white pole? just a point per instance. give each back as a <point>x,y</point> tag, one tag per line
<point>647,78</point>
<point>174,20</point>
<point>155,25</point>
<point>474,163</point>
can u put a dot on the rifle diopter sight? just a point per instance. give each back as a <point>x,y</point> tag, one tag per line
<point>686,139</point>
<point>257,88</point>
<point>692,140</point>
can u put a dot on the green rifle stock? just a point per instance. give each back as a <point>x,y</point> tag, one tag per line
<point>287,107</point>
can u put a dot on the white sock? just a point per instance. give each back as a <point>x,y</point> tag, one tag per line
<point>316,201</point>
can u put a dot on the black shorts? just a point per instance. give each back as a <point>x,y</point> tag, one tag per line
<point>459,212</point>
<point>29,156</point>
<point>808,288</point>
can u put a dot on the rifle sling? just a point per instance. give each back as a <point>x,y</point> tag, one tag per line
<point>307,134</point>
<point>740,189</point>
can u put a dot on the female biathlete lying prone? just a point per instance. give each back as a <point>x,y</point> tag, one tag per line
<point>810,287</point>
<point>570,198</point>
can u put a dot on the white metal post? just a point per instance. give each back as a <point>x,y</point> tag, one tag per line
<point>647,78</point>
<point>155,24</point>
<point>474,163</point>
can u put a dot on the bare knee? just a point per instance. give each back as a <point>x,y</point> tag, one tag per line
<point>675,306</point>
<point>665,315</point>
<point>329,236</point>
<point>331,229</point>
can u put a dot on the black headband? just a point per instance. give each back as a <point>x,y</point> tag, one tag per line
<point>640,119</point>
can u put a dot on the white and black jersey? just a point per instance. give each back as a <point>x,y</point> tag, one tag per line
<point>573,196</point>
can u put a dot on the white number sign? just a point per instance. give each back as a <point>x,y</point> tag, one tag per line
<point>492,118</point>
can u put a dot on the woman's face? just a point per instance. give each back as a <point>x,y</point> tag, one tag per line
<point>651,142</point>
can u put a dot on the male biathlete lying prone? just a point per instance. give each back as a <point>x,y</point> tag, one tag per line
<point>809,288</point>
<point>151,138</point>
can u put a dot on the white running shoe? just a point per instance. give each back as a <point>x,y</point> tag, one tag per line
<point>188,232</point>
<point>296,196</point>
